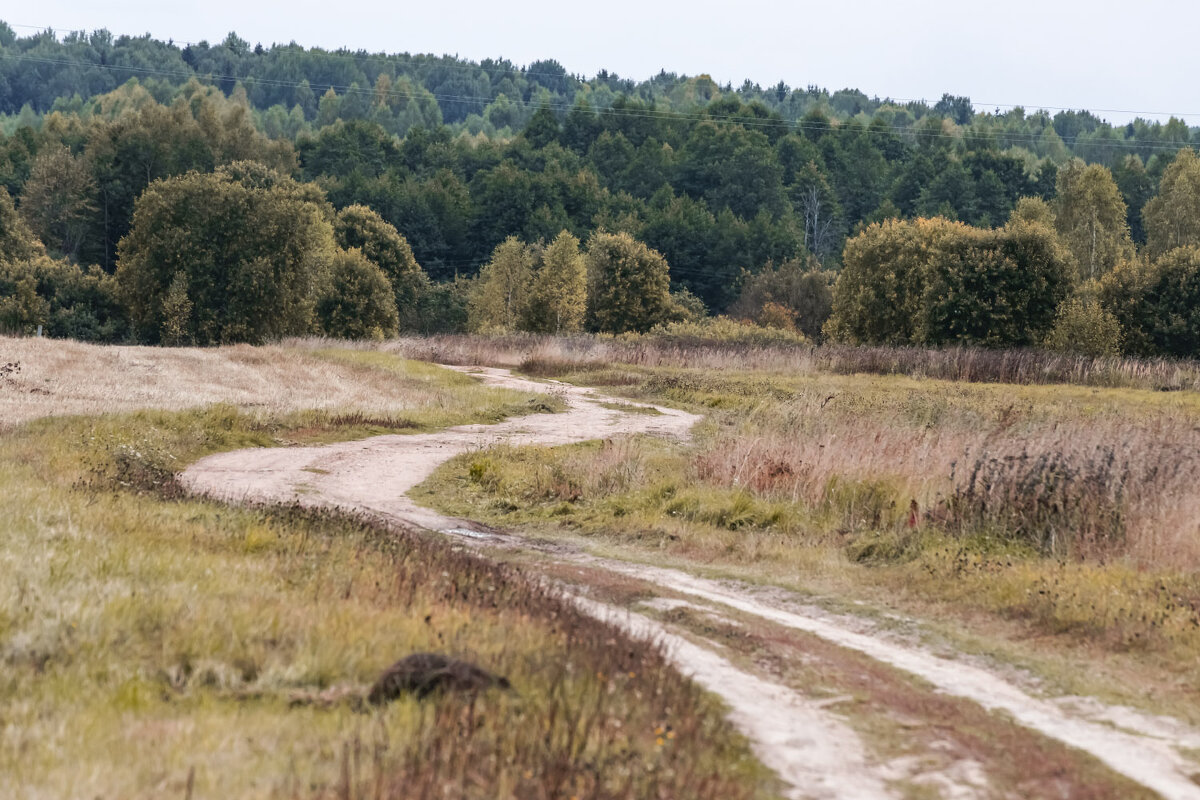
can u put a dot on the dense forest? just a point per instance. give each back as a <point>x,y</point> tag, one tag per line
<point>208,193</point>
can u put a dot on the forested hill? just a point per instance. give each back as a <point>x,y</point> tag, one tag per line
<point>47,71</point>
<point>459,156</point>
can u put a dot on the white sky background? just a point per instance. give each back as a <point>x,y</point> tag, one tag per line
<point>1112,58</point>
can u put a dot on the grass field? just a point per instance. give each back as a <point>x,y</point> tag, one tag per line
<point>153,645</point>
<point>1056,523</point>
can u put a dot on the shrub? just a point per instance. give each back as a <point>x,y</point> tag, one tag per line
<point>723,330</point>
<point>442,306</point>
<point>254,247</point>
<point>796,294</point>
<point>359,302</point>
<point>1157,303</point>
<point>69,301</point>
<point>774,315</point>
<point>1057,502</point>
<point>1085,327</point>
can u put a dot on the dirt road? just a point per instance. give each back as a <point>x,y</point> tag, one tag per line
<point>812,748</point>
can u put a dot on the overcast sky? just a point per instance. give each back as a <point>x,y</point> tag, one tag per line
<point>1118,59</point>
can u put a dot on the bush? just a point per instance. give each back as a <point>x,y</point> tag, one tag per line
<point>795,292</point>
<point>253,246</point>
<point>442,306</point>
<point>1085,327</point>
<point>774,315</point>
<point>359,303</point>
<point>1058,503</point>
<point>1157,304</point>
<point>723,330</point>
<point>68,301</point>
<point>936,282</point>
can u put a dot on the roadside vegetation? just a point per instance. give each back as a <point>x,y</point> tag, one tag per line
<point>1065,514</point>
<point>156,645</point>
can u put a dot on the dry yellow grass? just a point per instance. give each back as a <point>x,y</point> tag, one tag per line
<point>62,377</point>
<point>1079,534</point>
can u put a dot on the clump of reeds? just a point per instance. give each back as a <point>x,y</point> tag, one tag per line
<point>1057,502</point>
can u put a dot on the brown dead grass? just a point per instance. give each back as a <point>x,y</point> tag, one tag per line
<point>59,377</point>
<point>551,355</point>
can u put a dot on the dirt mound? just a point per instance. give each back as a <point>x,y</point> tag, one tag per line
<point>424,674</point>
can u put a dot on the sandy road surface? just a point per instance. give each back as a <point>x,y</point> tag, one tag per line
<point>812,749</point>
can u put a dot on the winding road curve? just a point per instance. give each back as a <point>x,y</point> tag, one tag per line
<point>812,749</point>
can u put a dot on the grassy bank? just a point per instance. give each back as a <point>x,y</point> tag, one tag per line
<point>153,645</point>
<point>1061,516</point>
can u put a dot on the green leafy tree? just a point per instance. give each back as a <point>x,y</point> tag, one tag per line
<point>1172,219</point>
<point>629,285</point>
<point>17,241</point>
<point>68,301</point>
<point>59,200</point>
<point>200,130</point>
<point>358,302</point>
<point>542,128</point>
<point>1091,218</point>
<point>937,282</point>
<point>731,167</point>
<point>1157,303</point>
<point>1033,210</point>
<point>558,292</point>
<point>350,148</point>
<point>878,295</point>
<point>1137,188</point>
<point>502,293</point>
<point>996,288</point>
<point>360,227</point>
<point>22,309</point>
<point>254,247</point>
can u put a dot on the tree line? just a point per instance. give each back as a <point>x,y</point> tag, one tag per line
<point>761,212</point>
<point>291,87</point>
